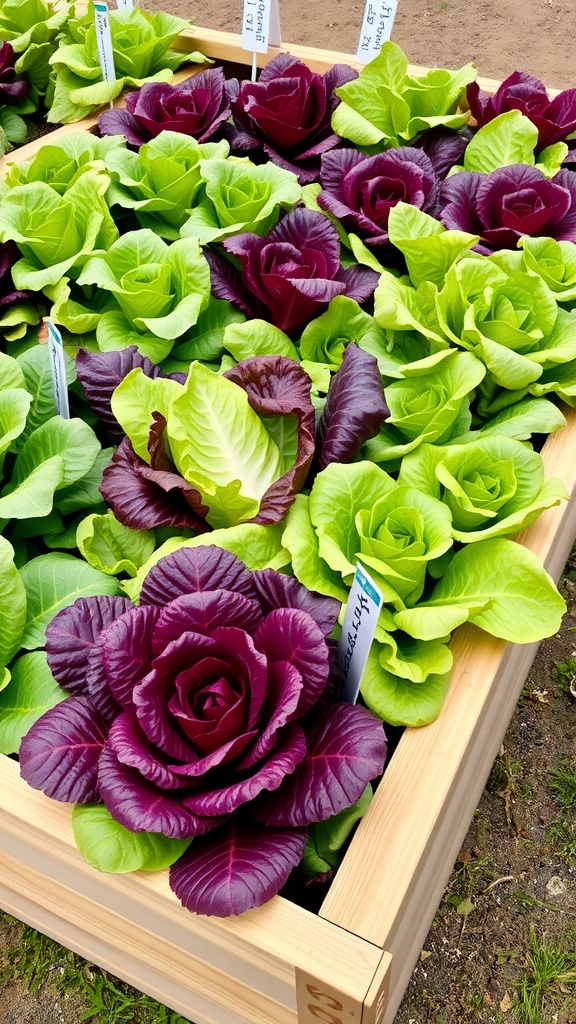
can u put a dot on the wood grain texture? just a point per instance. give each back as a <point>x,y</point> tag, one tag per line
<point>261,950</point>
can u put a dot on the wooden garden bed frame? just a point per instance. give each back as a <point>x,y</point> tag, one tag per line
<point>281,964</point>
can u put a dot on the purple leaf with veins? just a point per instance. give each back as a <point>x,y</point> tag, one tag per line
<point>237,868</point>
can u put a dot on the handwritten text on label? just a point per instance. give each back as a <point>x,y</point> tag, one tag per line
<point>376,28</point>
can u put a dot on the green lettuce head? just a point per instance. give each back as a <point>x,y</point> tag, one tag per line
<point>162,180</point>
<point>509,319</point>
<point>156,292</point>
<point>240,196</point>
<point>141,46</point>
<point>493,487</point>
<point>357,512</point>
<point>386,106</point>
<point>60,165</point>
<point>431,403</point>
<point>56,234</point>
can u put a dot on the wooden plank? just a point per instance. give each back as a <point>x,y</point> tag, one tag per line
<point>226,46</point>
<point>262,949</point>
<point>164,970</point>
<point>388,889</point>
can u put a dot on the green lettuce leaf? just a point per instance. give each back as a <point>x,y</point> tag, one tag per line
<point>498,585</point>
<point>32,691</point>
<point>429,248</point>
<point>108,846</point>
<point>111,547</point>
<point>387,105</point>
<point>508,139</point>
<point>221,446</point>
<point>326,839</point>
<point>53,582</point>
<point>12,596</point>
<point>205,339</point>
<point>400,701</point>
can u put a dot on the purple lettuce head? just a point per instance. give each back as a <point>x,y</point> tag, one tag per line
<point>13,88</point>
<point>288,114</point>
<point>361,190</point>
<point>206,712</point>
<point>554,119</point>
<point>292,274</point>
<point>198,107</point>
<point>508,203</point>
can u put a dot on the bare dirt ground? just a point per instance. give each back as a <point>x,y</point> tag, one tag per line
<point>516,872</point>
<point>500,36</point>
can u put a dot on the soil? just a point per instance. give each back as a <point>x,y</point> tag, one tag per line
<point>510,877</point>
<point>500,36</point>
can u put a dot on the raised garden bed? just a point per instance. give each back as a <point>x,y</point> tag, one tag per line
<point>281,963</point>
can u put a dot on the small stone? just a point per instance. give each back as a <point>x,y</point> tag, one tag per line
<point>425,954</point>
<point>506,1003</point>
<point>556,886</point>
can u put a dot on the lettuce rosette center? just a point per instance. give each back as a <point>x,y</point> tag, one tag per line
<point>493,486</point>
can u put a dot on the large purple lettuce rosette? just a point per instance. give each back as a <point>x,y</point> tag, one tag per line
<point>361,190</point>
<point>508,203</point>
<point>198,107</point>
<point>288,114</point>
<point>206,712</point>
<point>292,274</point>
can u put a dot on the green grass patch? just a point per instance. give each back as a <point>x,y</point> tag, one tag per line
<point>562,780</point>
<point>40,965</point>
<point>562,837</point>
<point>564,675</point>
<point>546,977</point>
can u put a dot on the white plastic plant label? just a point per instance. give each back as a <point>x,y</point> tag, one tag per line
<point>260,25</point>
<point>128,5</point>
<point>58,369</point>
<point>104,41</point>
<point>358,628</point>
<point>376,28</point>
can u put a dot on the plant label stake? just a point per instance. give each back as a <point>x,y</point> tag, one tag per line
<point>376,28</point>
<point>127,4</point>
<point>358,628</point>
<point>58,369</point>
<point>104,41</point>
<point>260,28</point>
